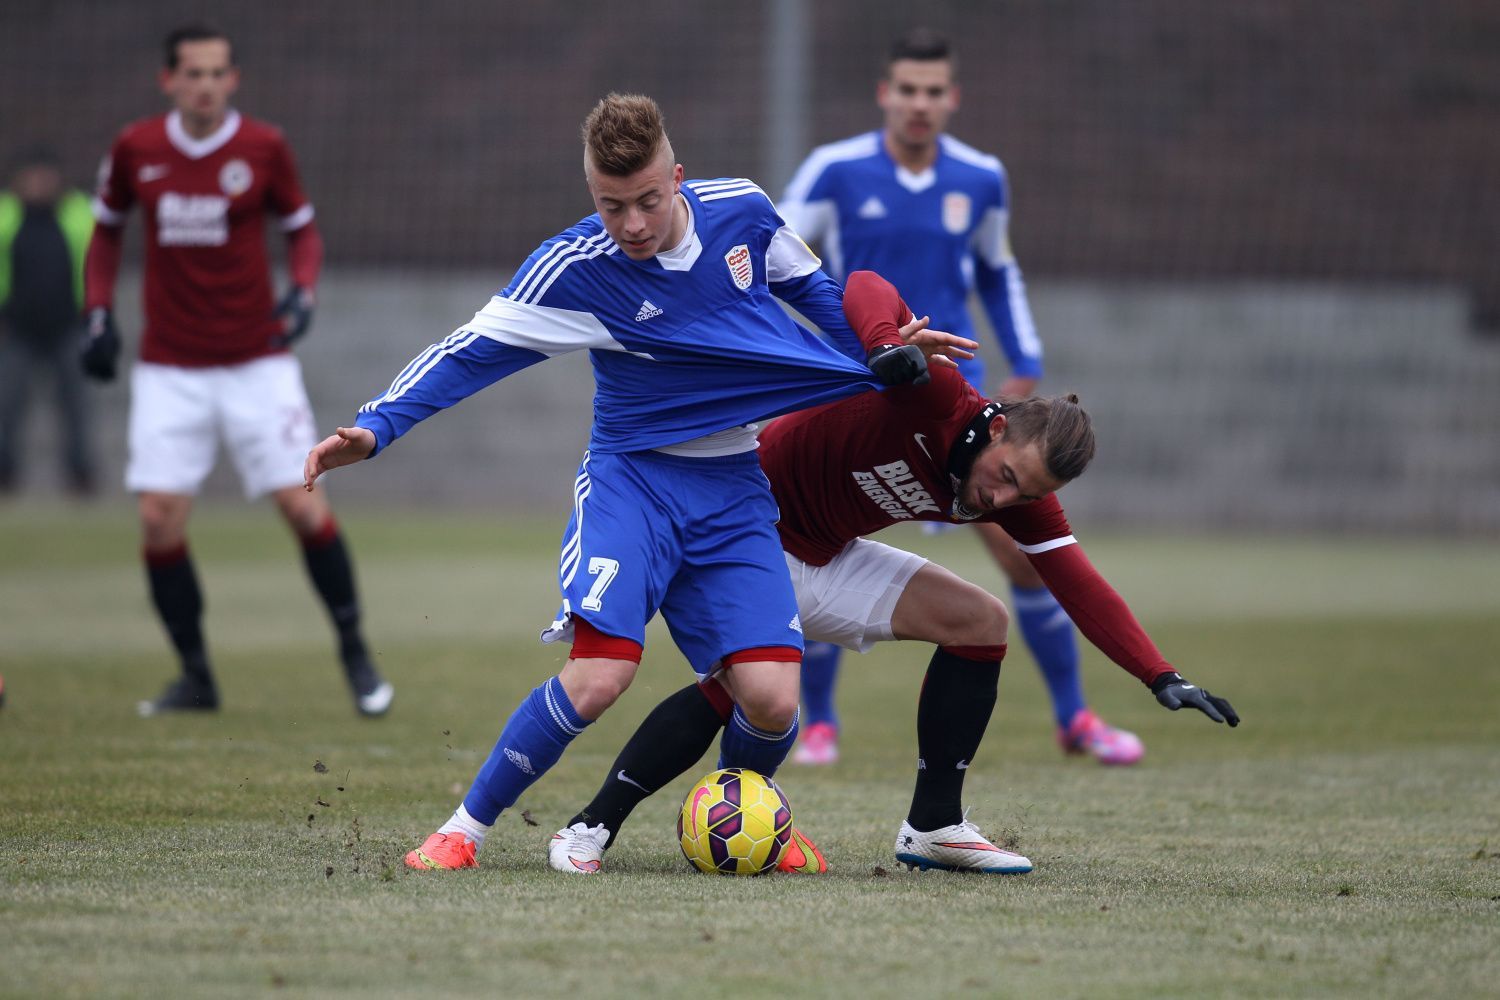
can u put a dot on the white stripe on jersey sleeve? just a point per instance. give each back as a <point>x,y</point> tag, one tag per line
<point>707,187</point>
<point>106,215</point>
<point>1047,546</point>
<point>564,252</point>
<point>814,221</point>
<point>1020,313</point>
<point>544,329</point>
<point>788,257</point>
<point>817,221</point>
<point>734,192</point>
<point>991,239</point>
<point>298,219</point>
<point>960,150</point>
<point>821,158</point>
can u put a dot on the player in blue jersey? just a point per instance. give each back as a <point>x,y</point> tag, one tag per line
<point>669,287</point>
<point>931,215</point>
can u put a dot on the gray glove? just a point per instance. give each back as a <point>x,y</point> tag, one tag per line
<point>1174,693</point>
<point>893,365</point>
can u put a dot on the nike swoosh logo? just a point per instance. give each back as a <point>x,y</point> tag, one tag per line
<point>962,765</point>
<point>151,173</point>
<point>697,798</point>
<point>622,776</point>
<point>922,444</point>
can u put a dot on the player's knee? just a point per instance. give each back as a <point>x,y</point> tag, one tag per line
<point>594,685</point>
<point>772,710</point>
<point>305,512</point>
<point>979,619</point>
<point>163,521</point>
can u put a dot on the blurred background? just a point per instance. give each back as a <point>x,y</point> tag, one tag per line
<point>1262,240</point>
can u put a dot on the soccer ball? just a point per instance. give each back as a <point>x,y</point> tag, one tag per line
<point>734,822</point>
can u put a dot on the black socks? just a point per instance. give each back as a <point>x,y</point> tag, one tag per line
<point>668,742</point>
<point>958,696</point>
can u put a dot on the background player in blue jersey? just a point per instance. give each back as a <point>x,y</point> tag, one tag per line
<point>931,215</point>
<point>669,287</point>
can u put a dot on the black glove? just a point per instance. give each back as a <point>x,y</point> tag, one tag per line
<point>296,310</point>
<point>904,365</point>
<point>100,353</point>
<point>1174,692</point>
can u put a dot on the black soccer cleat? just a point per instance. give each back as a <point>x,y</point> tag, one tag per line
<point>182,695</point>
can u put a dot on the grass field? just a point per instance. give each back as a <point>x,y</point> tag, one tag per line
<point>1344,841</point>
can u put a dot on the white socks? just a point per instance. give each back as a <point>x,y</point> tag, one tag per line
<point>462,822</point>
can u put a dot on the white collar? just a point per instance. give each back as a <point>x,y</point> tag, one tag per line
<point>197,149</point>
<point>685,253</point>
<point>916,183</point>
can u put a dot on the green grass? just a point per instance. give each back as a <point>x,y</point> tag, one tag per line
<point>1344,841</point>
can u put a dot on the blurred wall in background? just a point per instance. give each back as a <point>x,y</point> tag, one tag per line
<point>1261,240</point>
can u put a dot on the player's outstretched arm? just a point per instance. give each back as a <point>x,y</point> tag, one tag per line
<point>345,446</point>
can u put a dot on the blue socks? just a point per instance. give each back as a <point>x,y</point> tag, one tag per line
<point>534,737</point>
<point>820,672</point>
<point>1048,632</point>
<point>745,746</point>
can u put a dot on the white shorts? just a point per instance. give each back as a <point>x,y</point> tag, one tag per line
<point>850,601</point>
<point>178,415</point>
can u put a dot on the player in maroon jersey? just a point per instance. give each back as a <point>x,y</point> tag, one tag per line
<point>215,358</point>
<point>932,452</point>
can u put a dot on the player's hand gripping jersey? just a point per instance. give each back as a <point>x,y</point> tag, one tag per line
<point>685,344</point>
<point>935,235</point>
<point>848,469</point>
<point>208,296</point>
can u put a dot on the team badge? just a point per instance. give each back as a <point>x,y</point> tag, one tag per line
<point>957,212</point>
<point>740,268</point>
<point>235,178</point>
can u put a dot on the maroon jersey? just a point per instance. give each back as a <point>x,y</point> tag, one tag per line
<point>880,458</point>
<point>850,468</point>
<point>208,297</point>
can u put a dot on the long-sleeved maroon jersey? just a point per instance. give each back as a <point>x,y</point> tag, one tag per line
<point>850,468</point>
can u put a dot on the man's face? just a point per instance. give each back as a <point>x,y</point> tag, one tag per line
<point>917,97</point>
<point>203,81</point>
<point>38,184</point>
<point>1006,474</point>
<point>638,209</point>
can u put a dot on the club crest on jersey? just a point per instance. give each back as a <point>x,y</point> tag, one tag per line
<point>740,268</point>
<point>235,178</point>
<point>957,210</point>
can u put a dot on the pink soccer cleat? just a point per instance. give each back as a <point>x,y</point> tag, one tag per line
<point>1089,734</point>
<point>443,852</point>
<point>819,745</point>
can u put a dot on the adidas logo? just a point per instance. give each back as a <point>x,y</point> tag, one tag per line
<point>520,760</point>
<point>795,624</point>
<point>649,310</point>
<point>873,208</point>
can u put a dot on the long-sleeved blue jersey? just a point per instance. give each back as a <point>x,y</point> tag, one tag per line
<point>935,235</point>
<point>685,344</point>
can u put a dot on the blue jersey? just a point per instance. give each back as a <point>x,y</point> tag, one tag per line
<point>685,344</point>
<point>936,235</point>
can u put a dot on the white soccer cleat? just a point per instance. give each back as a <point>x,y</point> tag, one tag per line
<point>957,848</point>
<point>578,849</point>
<point>376,702</point>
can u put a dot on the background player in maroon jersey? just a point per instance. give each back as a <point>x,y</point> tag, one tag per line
<point>214,351</point>
<point>932,452</point>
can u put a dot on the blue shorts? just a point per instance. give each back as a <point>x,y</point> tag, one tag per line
<point>692,537</point>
